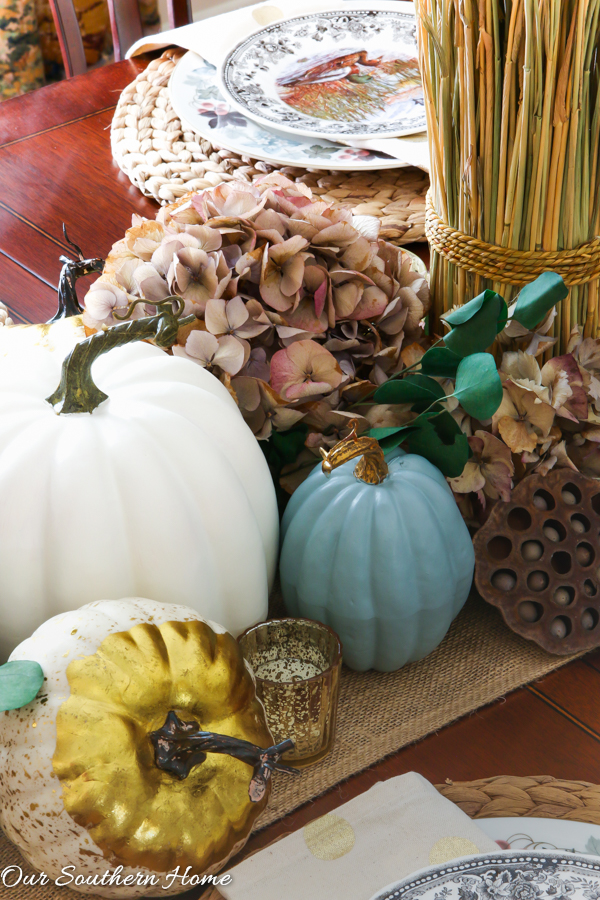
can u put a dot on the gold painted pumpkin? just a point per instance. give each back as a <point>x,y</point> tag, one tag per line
<point>79,781</point>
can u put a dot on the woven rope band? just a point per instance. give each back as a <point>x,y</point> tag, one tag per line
<point>506,265</point>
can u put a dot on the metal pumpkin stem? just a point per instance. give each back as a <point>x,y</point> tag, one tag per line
<point>372,468</point>
<point>77,392</point>
<point>179,746</point>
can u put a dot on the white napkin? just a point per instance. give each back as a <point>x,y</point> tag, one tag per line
<point>392,830</point>
<point>213,38</point>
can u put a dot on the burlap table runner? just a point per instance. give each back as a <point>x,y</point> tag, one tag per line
<point>479,661</point>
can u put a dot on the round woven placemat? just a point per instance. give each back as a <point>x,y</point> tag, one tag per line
<point>538,796</point>
<point>163,157</point>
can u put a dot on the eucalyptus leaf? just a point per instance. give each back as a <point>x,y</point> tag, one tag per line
<point>536,299</point>
<point>390,438</point>
<point>441,362</point>
<point>283,447</point>
<point>440,440</point>
<point>20,681</point>
<point>465,313</point>
<point>476,324</point>
<point>413,388</point>
<point>478,386</point>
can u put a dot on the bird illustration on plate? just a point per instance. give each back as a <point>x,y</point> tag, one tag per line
<point>352,86</point>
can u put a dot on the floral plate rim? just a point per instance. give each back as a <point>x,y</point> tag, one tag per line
<point>420,883</point>
<point>237,133</point>
<point>520,833</point>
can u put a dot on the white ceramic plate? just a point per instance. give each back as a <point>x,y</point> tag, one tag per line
<point>343,73</point>
<point>506,875</point>
<point>197,99</point>
<point>542,834</point>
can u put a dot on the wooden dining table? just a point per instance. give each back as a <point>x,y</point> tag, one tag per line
<point>56,167</point>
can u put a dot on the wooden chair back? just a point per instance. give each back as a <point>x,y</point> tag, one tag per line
<point>125,24</point>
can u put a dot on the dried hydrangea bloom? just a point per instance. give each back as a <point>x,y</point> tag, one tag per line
<point>105,298</point>
<point>208,351</point>
<point>302,309</point>
<point>262,408</point>
<point>304,369</point>
<point>231,317</point>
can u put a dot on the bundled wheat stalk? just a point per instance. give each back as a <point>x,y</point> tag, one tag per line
<point>513,108</point>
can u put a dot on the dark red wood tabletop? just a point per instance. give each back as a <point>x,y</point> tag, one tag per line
<point>55,167</point>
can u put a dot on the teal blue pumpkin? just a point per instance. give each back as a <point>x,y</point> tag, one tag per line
<point>387,565</point>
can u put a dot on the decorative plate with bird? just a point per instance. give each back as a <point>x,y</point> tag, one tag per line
<point>198,100</point>
<point>351,73</point>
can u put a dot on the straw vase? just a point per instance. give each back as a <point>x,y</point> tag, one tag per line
<point>513,110</point>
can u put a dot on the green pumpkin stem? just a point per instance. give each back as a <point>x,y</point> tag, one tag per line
<point>77,392</point>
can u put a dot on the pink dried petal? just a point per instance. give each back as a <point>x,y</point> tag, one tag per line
<point>301,364</point>
<point>231,354</point>
<point>102,298</point>
<point>336,236</point>
<point>306,389</point>
<point>320,296</point>
<point>372,304</point>
<point>216,317</point>
<point>201,346</point>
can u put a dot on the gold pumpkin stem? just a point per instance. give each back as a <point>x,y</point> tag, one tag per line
<point>371,468</point>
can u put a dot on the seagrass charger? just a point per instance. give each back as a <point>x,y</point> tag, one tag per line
<point>163,157</point>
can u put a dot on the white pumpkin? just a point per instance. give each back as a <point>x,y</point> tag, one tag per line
<point>57,337</point>
<point>162,491</point>
<point>32,800</point>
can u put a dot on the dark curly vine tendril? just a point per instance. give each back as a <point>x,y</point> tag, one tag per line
<point>179,746</point>
<point>77,392</point>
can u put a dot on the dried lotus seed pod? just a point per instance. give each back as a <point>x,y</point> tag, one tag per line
<point>529,611</point>
<point>537,581</point>
<point>559,628</point>
<point>504,581</point>
<point>561,596</point>
<point>547,585</point>
<point>583,555</point>
<point>587,620</point>
<point>532,550</point>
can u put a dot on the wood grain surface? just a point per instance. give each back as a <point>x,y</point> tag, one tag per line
<point>55,167</point>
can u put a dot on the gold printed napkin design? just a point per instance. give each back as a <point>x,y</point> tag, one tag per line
<point>395,828</point>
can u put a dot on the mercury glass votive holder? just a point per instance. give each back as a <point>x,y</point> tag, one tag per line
<point>296,665</point>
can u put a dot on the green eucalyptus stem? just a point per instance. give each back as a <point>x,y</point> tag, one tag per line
<point>77,392</point>
<point>395,377</point>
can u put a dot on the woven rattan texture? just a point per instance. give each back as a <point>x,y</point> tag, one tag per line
<point>540,796</point>
<point>506,265</point>
<point>479,661</point>
<point>163,157</point>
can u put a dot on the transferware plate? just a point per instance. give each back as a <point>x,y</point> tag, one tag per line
<point>344,73</point>
<point>198,100</point>
<point>506,875</point>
